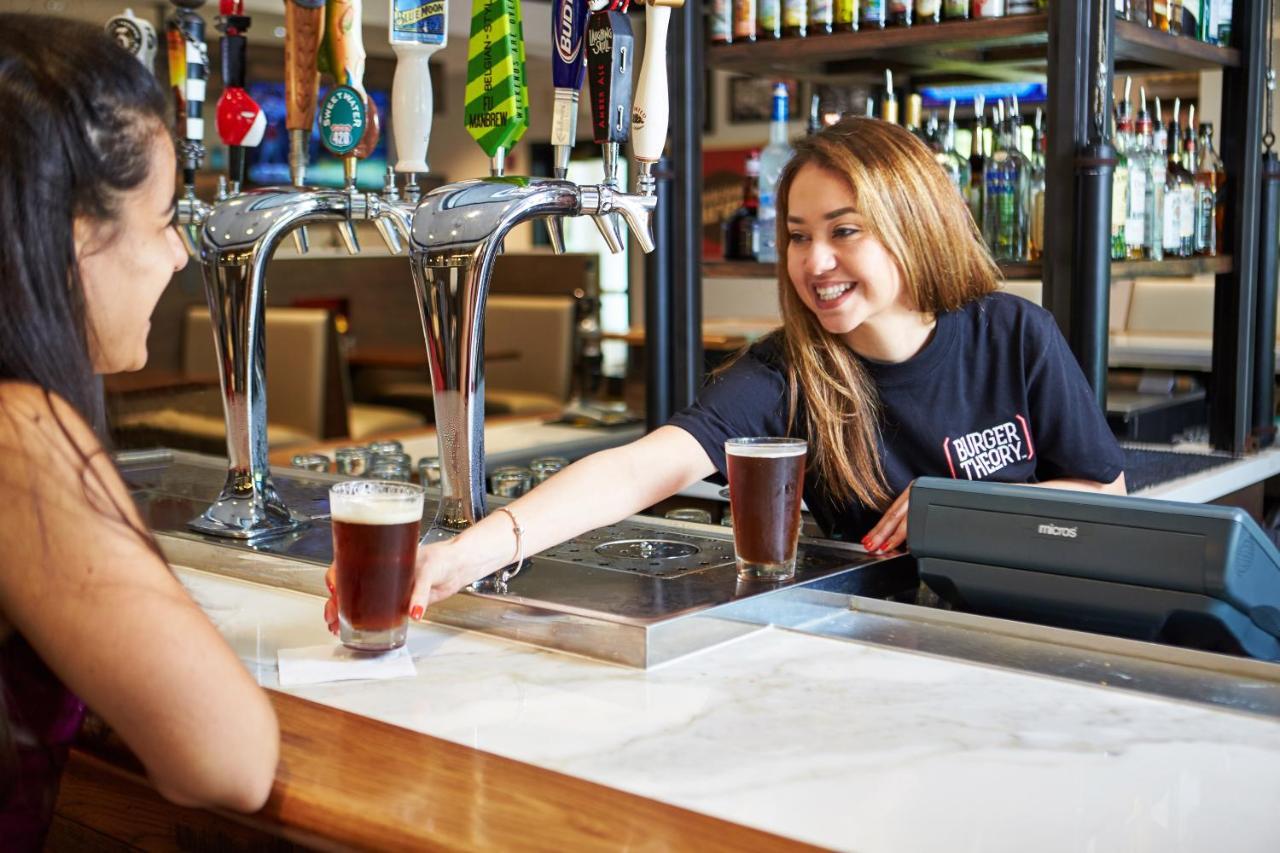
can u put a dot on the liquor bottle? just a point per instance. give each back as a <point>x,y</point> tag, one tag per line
<point>1159,177</point>
<point>740,229</point>
<point>769,19</point>
<point>1175,17</point>
<point>721,22</point>
<point>1221,26</point>
<point>1020,7</point>
<point>815,114</point>
<point>977,160</point>
<point>928,11</point>
<point>987,9</point>
<point>889,112</point>
<point>744,20</point>
<point>955,10</point>
<point>1120,185</point>
<point>900,12</point>
<point>874,13</point>
<point>1136,238</point>
<point>1154,202</point>
<point>795,18</point>
<point>911,117</point>
<point>1121,10</point>
<point>1190,18</point>
<point>846,16</point>
<point>1160,15</point>
<point>1008,180</point>
<point>821,17</point>
<point>1179,196</point>
<point>1210,176</point>
<point>772,159</point>
<point>1139,11</point>
<point>1037,187</point>
<point>956,167</point>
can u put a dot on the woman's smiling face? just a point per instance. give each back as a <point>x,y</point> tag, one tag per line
<point>841,272</point>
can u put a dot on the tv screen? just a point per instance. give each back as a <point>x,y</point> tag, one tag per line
<point>269,162</point>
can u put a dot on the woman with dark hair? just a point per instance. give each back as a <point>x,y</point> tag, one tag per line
<point>86,599</point>
<point>897,358</point>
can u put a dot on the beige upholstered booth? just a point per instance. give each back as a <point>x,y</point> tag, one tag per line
<point>308,391</point>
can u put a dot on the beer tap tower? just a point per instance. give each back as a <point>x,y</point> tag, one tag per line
<point>458,230</point>
<point>238,240</point>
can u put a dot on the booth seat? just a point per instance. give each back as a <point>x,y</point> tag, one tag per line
<point>308,390</point>
<point>531,343</point>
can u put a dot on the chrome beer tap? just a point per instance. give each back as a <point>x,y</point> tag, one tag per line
<point>458,230</point>
<point>188,73</point>
<point>610,55</point>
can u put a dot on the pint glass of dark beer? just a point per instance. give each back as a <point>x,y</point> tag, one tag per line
<point>375,543</point>
<point>766,482</point>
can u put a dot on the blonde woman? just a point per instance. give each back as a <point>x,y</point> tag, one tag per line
<point>896,359</point>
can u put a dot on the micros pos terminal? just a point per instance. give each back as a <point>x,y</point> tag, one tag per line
<point>1184,574</point>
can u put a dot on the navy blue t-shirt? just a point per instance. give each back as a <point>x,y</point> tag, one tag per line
<point>994,395</point>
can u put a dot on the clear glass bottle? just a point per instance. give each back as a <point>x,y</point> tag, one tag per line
<point>740,228</point>
<point>955,10</point>
<point>1037,158</point>
<point>768,19</point>
<point>977,160</point>
<point>772,159</point>
<point>821,17</point>
<point>928,11</point>
<point>1154,202</point>
<point>795,18</point>
<point>1120,186</point>
<point>1210,176</point>
<point>1179,197</point>
<point>1008,179</point>
<point>744,20</point>
<point>1136,238</point>
<point>720,21</point>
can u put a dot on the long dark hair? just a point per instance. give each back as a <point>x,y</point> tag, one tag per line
<point>79,116</point>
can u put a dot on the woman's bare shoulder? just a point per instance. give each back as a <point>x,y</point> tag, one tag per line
<point>41,421</point>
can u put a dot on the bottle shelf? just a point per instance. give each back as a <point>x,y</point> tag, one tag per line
<point>1011,48</point>
<point>1170,268</point>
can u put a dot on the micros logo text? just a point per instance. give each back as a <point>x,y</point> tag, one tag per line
<point>1058,531</point>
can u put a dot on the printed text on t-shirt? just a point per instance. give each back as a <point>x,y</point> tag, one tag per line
<point>981,453</point>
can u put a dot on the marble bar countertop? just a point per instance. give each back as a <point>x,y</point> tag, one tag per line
<point>840,744</point>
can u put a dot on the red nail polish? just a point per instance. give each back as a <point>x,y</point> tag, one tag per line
<point>416,613</point>
<point>329,584</point>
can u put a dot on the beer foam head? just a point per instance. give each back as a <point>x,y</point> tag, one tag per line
<point>765,448</point>
<point>375,502</point>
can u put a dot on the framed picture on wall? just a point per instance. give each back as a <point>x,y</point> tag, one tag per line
<point>751,99</point>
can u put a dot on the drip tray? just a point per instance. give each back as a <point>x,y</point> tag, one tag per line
<point>640,592</point>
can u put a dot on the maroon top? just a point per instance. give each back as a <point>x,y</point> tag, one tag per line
<point>42,717</point>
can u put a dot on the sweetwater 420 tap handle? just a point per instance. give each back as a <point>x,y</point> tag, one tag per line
<point>304,26</point>
<point>136,35</point>
<point>188,71</point>
<point>241,122</point>
<point>650,113</point>
<point>342,54</point>
<point>417,29</point>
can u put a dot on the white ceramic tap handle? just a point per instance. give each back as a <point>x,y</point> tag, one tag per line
<point>650,113</point>
<point>412,108</point>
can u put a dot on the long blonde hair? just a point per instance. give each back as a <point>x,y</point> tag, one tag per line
<point>912,208</point>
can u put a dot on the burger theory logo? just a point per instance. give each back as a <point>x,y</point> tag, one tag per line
<point>568,32</point>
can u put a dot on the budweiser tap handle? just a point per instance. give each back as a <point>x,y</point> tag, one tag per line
<point>418,29</point>
<point>304,25</point>
<point>649,115</point>
<point>568,67</point>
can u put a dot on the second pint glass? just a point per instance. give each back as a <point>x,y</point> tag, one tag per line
<point>375,546</point>
<point>766,484</point>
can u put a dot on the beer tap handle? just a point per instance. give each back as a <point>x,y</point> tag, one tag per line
<point>304,26</point>
<point>568,67</point>
<point>496,112</point>
<point>343,55</point>
<point>136,35</point>
<point>188,71</point>
<point>610,55</point>
<point>649,114</point>
<point>241,122</point>
<point>416,31</point>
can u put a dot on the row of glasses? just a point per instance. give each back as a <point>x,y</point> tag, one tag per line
<point>512,481</point>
